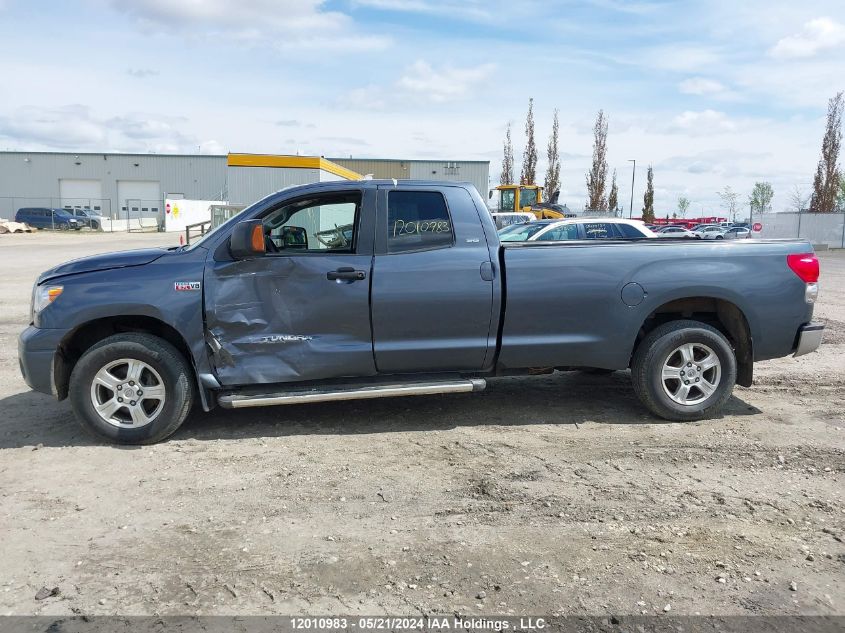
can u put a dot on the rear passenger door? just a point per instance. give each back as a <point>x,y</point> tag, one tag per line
<point>432,286</point>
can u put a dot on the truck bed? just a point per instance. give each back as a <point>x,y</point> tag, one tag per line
<point>584,302</point>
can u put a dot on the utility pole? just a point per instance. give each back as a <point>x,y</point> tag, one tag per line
<point>633,175</point>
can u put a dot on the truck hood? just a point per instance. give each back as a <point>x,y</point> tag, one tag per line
<point>105,261</point>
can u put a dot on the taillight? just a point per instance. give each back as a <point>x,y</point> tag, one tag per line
<point>806,266</point>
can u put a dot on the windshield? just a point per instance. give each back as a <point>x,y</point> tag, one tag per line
<point>520,232</point>
<point>527,197</point>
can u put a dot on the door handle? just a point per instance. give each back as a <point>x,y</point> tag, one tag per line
<point>346,274</point>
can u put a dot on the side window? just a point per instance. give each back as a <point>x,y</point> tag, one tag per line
<point>563,232</point>
<point>508,198</point>
<point>629,231</point>
<point>599,231</point>
<point>417,220</point>
<point>322,224</point>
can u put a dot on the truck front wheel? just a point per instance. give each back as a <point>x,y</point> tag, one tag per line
<point>684,370</point>
<point>132,388</point>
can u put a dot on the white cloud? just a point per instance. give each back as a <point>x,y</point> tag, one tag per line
<point>141,73</point>
<point>816,36</point>
<point>76,127</point>
<point>284,24</point>
<point>446,84</point>
<point>683,58</point>
<point>701,86</point>
<point>477,10</point>
<point>701,123</point>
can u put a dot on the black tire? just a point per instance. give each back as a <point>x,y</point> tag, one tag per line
<point>656,349</point>
<point>173,369</point>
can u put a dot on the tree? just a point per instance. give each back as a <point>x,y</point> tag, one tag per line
<point>613,198</point>
<point>552,182</point>
<point>761,196</point>
<point>597,176</point>
<point>827,180</point>
<point>529,156</point>
<point>729,198</point>
<point>798,199</point>
<point>840,200</point>
<point>648,197</point>
<point>683,205</point>
<point>507,160</point>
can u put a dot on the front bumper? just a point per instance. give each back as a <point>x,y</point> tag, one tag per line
<point>809,338</point>
<point>36,353</point>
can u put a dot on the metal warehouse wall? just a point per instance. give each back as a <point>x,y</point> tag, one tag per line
<point>476,172</point>
<point>379,168</point>
<point>36,175</point>
<point>249,184</point>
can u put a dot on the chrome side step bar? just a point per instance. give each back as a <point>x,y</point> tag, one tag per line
<point>332,393</point>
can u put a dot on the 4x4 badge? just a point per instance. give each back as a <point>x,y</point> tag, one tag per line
<point>187,285</point>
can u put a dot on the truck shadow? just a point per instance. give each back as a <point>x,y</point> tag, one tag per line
<point>573,398</point>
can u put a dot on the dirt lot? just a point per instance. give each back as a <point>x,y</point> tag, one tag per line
<point>549,495</point>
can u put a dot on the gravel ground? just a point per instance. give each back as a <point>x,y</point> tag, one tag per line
<point>548,495</point>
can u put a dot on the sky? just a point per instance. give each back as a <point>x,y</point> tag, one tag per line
<point>710,93</point>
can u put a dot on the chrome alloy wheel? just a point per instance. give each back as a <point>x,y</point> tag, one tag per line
<point>691,373</point>
<point>128,393</point>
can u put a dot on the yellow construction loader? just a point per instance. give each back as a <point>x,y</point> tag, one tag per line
<point>528,199</point>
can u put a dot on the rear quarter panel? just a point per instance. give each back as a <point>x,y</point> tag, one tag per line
<point>564,301</point>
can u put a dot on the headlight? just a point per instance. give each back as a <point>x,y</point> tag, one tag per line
<point>42,296</point>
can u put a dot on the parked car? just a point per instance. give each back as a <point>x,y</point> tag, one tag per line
<point>710,232</point>
<point>575,229</point>
<point>737,233</point>
<point>88,218</point>
<point>45,218</point>
<point>677,231</point>
<point>507,219</point>
<point>413,304</point>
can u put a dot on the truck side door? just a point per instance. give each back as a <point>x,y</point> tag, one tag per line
<point>301,311</point>
<point>433,282</point>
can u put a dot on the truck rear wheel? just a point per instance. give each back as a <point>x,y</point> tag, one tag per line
<point>132,388</point>
<point>684,370</point>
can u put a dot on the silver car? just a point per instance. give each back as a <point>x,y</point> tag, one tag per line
<point>711,232</point>
<point>676,231</point>
<point>737,233</point>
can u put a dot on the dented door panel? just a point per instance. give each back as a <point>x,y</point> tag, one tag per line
<point>279,319</point>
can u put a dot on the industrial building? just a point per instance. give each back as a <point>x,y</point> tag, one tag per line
<point>124,186</point>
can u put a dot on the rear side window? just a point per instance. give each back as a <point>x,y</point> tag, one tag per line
<point>599,231</point>
<point>629,231</point>
<point>417,220</point>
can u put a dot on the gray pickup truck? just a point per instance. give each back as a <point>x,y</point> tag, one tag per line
<point>349,290</point>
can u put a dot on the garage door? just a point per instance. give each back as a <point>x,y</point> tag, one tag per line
<point>139,198</point>
<point>82,194</point>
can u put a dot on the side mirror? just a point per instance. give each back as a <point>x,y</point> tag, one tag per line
<point>555,197</point>
<point>490,194</point>
<point>247,239</point>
